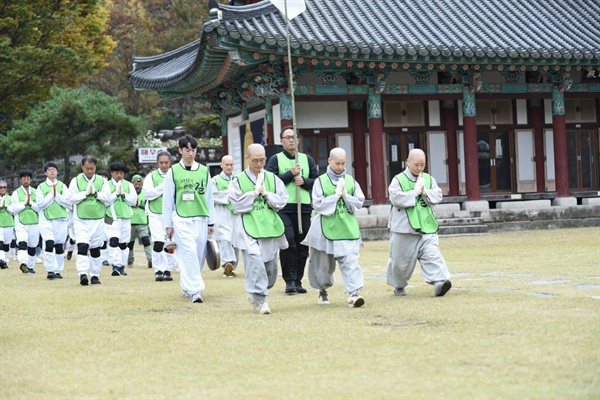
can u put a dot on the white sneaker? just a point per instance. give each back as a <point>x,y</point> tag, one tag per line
<point>399,291</point>
<point>323,298</point>
<point>196,298</point>
<point>252,300</point>
<point>264,308</point>
<point>38,260</point>
<point>355,300</point>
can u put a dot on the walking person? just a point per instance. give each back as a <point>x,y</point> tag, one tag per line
<point>294,175</point>
<point>413,228</point>
<point>7,224</point>
<point>27,232</point>
<point>139,224</point>
<point>256,195</point>
<point>89,194</point>
<point>153,186</point>
<point>52,198</point>
<point>225,217</point>
<point>188,216</point>
<point>334,234</point>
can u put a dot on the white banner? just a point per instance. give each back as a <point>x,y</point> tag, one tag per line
<point>147,155</point>
<point>294,7</point>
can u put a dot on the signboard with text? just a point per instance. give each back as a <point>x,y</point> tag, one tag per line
<point>148,154</point>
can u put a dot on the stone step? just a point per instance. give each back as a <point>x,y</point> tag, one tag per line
<point>460,221</point>
<point>463,230</point>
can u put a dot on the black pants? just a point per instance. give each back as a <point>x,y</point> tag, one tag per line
<point>293,259</point>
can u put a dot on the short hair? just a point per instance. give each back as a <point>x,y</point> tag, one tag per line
<point>25,172</point>
<point>163,153</point>
<point>90,159</point>
<point>50,165</point>
<point>102,173</point>
<point>187,139</point>
<point>285,128</point>
<point>118,166</point>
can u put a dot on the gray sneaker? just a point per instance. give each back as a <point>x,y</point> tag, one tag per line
<point>355,301</point>
<point>442,287</point>
<point>196,298</point>
<point>399,291</point>
<point>255,304</point>
<point>264,308</point>
<point>323,297</point>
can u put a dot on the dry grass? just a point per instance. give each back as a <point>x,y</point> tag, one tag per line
<point>522,321</point>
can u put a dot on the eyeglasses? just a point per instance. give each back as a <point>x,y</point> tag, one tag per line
<point>288,137</point>
<point>3,187</point>
<point>258,160</point>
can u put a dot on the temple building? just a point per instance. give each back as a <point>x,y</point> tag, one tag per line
<point>502,95</point>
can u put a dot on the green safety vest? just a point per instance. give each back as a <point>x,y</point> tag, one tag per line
<point>90,207</point>
<point>155,205</point>
<point>6,218</point>
<point>190,183</point>
<point>420,216</point>
<point>341,225</point>
<point>122,209</point>
<point>285,164</point>
<point>54,210</point>
<point>28,216</point>
<point>139,211</point>
<point>262,222</point>
<point>222,185</point>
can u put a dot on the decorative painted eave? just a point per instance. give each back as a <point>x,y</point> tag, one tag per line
<point>552,33</point>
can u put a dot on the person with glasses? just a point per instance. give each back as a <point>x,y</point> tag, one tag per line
<point>25,210</point>
<point>53,201</point>
<point>7,224</point>
<point>256,195</point>
<point>293,175</point>
<point>188,216</point>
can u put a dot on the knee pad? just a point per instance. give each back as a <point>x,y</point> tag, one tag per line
<point>158,246</point>
<point>104,246</point>
<point>95,252</point>
<point>59,248</point>
<point>13,243</point>
<point>6,247</point>
<point>31,251</point>
<point>82,249</point>
<point>22,246</point>
<point>146,241</point>
<point>113,242</point>
<point>1,245</point>
<point>130,245</point>
<point>123,246</point>
<point>49,245</point>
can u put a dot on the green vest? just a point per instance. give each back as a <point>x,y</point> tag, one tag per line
<point>6,218</point>
<point>28,216</point>
<point>285,164</point>
<point>420,216</point>
<point>122,209</point>
<point>190,190</point>
<point>342,225</point>
<point>222,185</point>
<point>54,210</point>
<point>139,211</point>
<point>155,205</point>
<point>90,207</point>
<point>262,222</point>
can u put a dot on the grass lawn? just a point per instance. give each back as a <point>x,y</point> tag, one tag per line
<point>521,321</point>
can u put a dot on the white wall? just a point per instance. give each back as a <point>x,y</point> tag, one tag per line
<point>319,115</point>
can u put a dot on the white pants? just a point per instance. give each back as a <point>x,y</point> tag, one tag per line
<point>321,267</point>
<point>161,260</point>
<point>56,231</point>
<point>406,249</point>
<point>29,234</point>
<point>120,229</point>
<point>6,236</point>
<point>190,235</point>
<point>91,232</point>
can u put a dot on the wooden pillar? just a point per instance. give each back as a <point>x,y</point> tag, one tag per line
<point>269,117</point>
<point>450,122</point>
<point>285,109</point>
<point>358,124</point>
<point>470,142</point>
<point>536,120</point>
<point>378,185</point>
<point>224,143</point>
<point>559,126</point>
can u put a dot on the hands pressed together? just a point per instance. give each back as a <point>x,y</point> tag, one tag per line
<point>91,189</point>
<point>259,187</point>
<point>340,188</point>
<point>419,186</point>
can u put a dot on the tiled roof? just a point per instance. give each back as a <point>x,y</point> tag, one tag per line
<point>556,32</point>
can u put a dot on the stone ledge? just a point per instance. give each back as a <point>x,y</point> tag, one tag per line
<point>524,205</point>
<point>565,201</point>
<point>588,201</point>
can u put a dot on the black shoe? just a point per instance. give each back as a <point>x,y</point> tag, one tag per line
<point>116,271</point>
<point>95,280</point>
<point>167,276</point>
<point>130,265</point>
<point>122,270</point>
<point>57,275</point>
<point>300,289</point>
<point>158,276</point>
<point>83,279</point>
<point>50,275</point>
<point>149,263</point>
<point>290,288</point>
<point>24,268</point>
<point>69,255</point>
<point>105,263</point>
<point>31,270</point>
<point>3,265</point>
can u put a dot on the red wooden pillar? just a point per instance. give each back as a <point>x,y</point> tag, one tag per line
<point>378,185</point>
<point>536,120</point>
<point>450,122</point>
<point>358,124</point>
<point>470,139</point>
<point>559,127</point>
<point>224,143</point>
